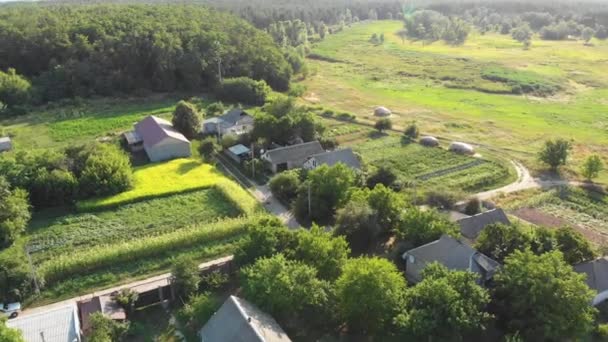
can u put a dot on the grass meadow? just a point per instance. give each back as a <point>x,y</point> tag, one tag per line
<point>466,92</point>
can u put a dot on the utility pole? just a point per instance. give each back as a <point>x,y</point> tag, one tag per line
<point>32,270</point>
<point>252,161</point>
<point>219,60</point>
<point>309,201</point>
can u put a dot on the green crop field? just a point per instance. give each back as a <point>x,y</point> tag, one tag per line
<point>470,92</point>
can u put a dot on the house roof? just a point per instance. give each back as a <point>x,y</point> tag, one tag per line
<point>453,254</point>
<point>470,227</point>
<point>233,115</point>
<point>597,273</point>
<point>294,152</point>
<point>5,143</point>
<point>153,130</point>
<point>345,156</point>
<point>57,325</point>
<point>239,149</point>
<point>239,320</point>
<point>133,137</point>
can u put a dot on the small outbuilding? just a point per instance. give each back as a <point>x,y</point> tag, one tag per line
<point>5,144</point>
<point>238,153</point>
<point>429,141</point>
<point>382,112</point>
<point>462,148</point>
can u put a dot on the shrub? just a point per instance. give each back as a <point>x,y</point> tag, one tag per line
<point>383,175</point>
<point>214,280</point>
<point>107,171</point>
<point>208,148</point>
<point>104,329</point>
<point>411,131</point>
<point>383,124</point>
<point>244,90</point>
<point>441,198</point>
<point>126,298</point>
<point>284,186</point>
<point>592,166</point>
<point>229,140</point>
<point>555,153</point>
<point>346,117</point>
<point>328,143</point>
<point>185,276</point>
<point>198,310</point>
<point>215,108</point>
<point>473,206</point>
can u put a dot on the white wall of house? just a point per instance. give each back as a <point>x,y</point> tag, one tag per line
<point>168,148</point>
<point>310,164</point>
<point>602,296</point>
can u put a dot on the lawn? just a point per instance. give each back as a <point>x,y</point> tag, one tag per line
<point>464,92</point>
<point>585,210</point>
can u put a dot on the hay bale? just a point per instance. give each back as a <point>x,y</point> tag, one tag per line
<point>462,148</point>
<point>429,141</point>
<point>382,112</point>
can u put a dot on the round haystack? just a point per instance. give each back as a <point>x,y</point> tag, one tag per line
<point>429,141</point>
<point>382,112</point>
<point>462,148</point>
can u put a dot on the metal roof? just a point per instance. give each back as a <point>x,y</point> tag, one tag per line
<point>471,226</point>
<point>153,130</point>
<point>239,149</point>
<point>240,321</point>
<point>58,325</point>
<point>294,152</point>
<point>346,156</point>
<point>597,273</point>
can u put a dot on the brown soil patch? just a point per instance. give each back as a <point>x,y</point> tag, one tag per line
<point>542,219</point>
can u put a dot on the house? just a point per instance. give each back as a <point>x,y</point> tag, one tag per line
<point>291,157</point>
<point>240,321</point>
<point>597,277</point>
<point>56,325</point>
<point>471,226</point>
<point>104,304</point>
<point>5,144</point>
<point>331,158</point>
<point>235,121</point>
<point>453,254</point>
<point>238,153</point>
<point>159,139</point>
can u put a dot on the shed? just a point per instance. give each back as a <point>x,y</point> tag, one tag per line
<point>429,141</point>
<point>55,325</point>
<point>160,140</point>
<point>291,157</point>
<point>462,148</point>
<point>238,153</point>
<point>237,320</point>
<point>5,144</point>
<point>345,156</point>
<point>453,254</point>
<point>382,112</point>
<point>470,227</point>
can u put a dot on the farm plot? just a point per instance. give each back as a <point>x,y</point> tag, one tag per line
<point>583,209</point>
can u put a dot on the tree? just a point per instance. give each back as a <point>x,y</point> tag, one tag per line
<point>14,89</point>
<point>523,34</point>
<point>423,226</point>
<point>107,171</point>
<point>369,294</point>
<point>592,166</point>
<point>127,298</point>
<point>587,34</point>
<point>215,108</point>
<point>9,335</point>
<point>383,124</point>
<point>185,276</point>
<point>14,212</point>
<point>280,106</point>
<point>500,240</point>
<point>473,206</point>
<point>244,90</point>
<point>386,203</point>
<point>573,245</point>
<point>208,148</point>
<point>319,249</point>
<point>186,119</point>
<point>283,287</point>
<point>284,186</point>
<point>264,238</point>
<point>382,175</point>
<point>198,310</point>
<point>104,329</point>
<point>542,298</point>
<point>555,153</point>
<point>328,189</point>
<point>411,131</point>
<point>357,222</point>
<point>445,305</point>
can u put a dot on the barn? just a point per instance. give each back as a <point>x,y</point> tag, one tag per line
<point>160,140</point>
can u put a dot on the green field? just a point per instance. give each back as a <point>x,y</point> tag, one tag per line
<point>465,92</point>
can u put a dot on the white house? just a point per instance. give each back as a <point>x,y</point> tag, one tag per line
<point>235,121</point>
<point>159,139</point>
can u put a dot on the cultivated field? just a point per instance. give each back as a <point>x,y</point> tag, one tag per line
<point>466,92</point>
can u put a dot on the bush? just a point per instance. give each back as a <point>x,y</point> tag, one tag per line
<point>244,90</point>
<point>411,132</point>
<point>473,206</point>
<point>284,186</point>
<point>441,199</point>
<point>328,143</point>
<point>107,171</point>
<point>215,280</point>
<point>346,117</point>
<point>229,140</point>
<point>383,124</point>
<point>185,276</point>
<point>208,148</point>
<point>215,108</point>
<point>198,310</point>
<point>383,175</point>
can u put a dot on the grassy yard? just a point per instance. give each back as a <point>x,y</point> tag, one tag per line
<point>464,92</point>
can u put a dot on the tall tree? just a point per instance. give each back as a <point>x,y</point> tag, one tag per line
<point>369,293</point>
<point>322,251</point>
<point>500,240</point>
<point>542,298</point>
<point>185,276</point>
<point>14,89</point>
<point>523,34</point>
<point>555,153</point>
<point>423,226</point>
<point>186,119</point>
<point>14,212</point>
<point>592,166</point>
<point>446,305</point>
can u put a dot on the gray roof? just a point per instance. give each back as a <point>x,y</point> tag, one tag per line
<point>470,227</point>
<point>240,321</point>
<point>233,115</point>
<point>57,325</point>
<point>597,273</point>
<point>345,156</point>
<point>153,130</point>
<point>294,152</point>
<point>133,137</point>
<point>455,255</point>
